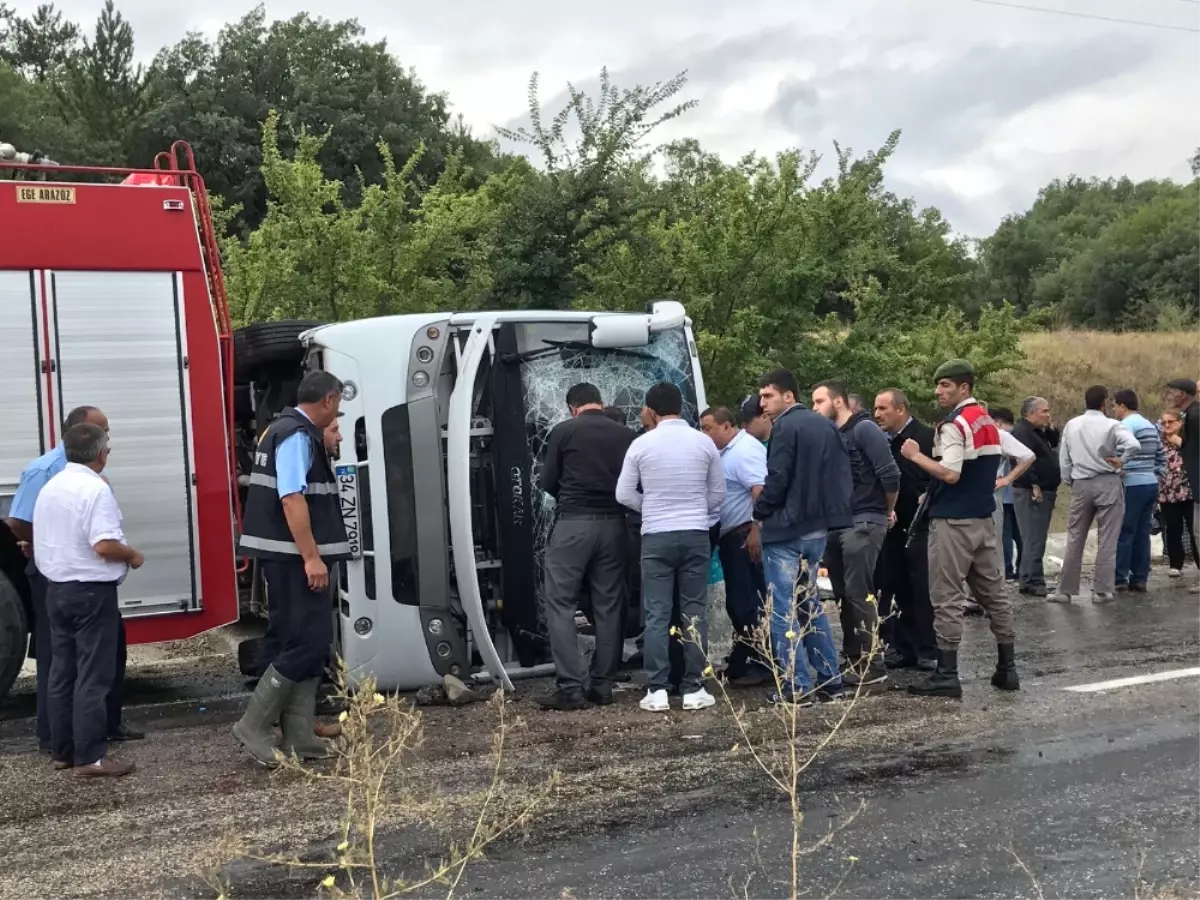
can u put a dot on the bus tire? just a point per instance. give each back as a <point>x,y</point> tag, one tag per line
<point>268,344</point>
<point>14,634</point>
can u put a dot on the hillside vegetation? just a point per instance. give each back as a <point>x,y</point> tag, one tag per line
<point>1061,365</point>
<point>347,188</point>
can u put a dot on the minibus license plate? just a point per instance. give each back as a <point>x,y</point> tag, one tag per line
<point>347,479</point>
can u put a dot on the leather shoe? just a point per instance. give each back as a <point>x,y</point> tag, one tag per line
<point>105,768</point>
<point>562,701</point>
<point>599,696</point>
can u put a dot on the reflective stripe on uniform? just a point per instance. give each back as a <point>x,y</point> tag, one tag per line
<point>251,542</point>
<point>262,479</point>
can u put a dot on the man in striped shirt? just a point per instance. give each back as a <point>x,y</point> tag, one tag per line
<point>682,488</point>
<point>962,537</point>
<point>1139,476</point>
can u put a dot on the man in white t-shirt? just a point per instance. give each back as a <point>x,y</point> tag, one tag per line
<point>682,487</point>
<point>744,460</point>
<point>80,548</point>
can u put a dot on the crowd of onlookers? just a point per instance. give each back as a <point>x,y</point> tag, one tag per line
<point>916,525</point>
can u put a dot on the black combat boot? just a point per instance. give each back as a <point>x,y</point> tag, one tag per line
<point>942,681</point>
<point>1005,677</point>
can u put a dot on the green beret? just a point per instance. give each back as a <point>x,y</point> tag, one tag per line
<point>953,368</point>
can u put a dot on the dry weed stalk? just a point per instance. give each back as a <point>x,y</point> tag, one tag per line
<point>380,734</point>
<point>774,747</point>
<point>1170,890</point>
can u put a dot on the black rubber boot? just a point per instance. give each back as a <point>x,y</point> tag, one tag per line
<point>1005,677</point>
<point>296,723</point>
<point>942,681</point>
<point>256,729</point>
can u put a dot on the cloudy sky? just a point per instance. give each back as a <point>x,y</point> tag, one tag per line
<point>993,101</point>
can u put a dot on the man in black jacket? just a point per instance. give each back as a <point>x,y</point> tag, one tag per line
<point>853,552</point>
<point>1034,492</point>
<point>807,494</point>
<point>589,544</point>
<point>904,561</point>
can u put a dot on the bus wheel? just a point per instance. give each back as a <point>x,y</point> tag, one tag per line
<point>14,635</point>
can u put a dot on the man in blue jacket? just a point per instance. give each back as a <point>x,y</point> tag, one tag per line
<point>807,495</point>
<point>853,552</point>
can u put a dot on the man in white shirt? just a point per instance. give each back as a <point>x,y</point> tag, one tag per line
<point>744,459</point>
<point>1091,453</point>
<point>683,486</point>
<point>80,548</point>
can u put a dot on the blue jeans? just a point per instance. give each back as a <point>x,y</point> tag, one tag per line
<point>675,565</point>
<point>1133,546</point>
<point>790,568</point>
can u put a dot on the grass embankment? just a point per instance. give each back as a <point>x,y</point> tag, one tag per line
<point>1061,365</point>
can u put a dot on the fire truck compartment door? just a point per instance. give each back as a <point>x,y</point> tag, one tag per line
<point>21,437</point>
<point>458,489</point>
<point>121,345</point>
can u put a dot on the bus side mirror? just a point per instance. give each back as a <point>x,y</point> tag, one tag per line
<point>617,330</point>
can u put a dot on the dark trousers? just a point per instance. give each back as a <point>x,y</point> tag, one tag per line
<point>1176,518</point>
<point>1033,520</point>
<point>591,549</point>
<point>303,617</point>
<point>905,569</point>
<point>44,654</point>
<point>851,555</point>
<point>1012,540</point>
<point>745,591</point>
<point>85,624</point>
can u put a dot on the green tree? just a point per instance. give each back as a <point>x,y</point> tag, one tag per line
<point>320,77</point>
<point>102,90</point>
<point>840,277</point>
<point>558,221</point>
<point>39,46</point>
<point>1140,265</point>
<point>400,250</point>
<point>1026,261</point>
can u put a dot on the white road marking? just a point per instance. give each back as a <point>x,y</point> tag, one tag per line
<point>1136,679</point>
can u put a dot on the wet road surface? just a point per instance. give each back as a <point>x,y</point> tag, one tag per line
<point>1086,788</point>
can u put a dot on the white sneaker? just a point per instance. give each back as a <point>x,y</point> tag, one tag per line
<point>700,699</point>
<point>1174,573</point>
<point>655,701</point>
<point>1059,598</point>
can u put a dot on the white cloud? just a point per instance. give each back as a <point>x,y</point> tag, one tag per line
<point>993,102</point>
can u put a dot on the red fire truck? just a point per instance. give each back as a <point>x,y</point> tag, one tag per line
<point>111,296</point>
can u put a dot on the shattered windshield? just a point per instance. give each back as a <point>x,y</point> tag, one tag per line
<point>623,377</point>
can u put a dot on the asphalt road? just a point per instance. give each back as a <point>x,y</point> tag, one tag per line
<point>1095,793</point>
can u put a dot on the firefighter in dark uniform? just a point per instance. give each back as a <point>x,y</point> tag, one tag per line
<point>293,525</point>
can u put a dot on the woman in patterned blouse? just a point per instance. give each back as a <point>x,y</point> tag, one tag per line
<point>1175,496</point>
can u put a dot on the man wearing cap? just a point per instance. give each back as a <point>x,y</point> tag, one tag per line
<point>1181,393</point>
<point>755,422</point>
<point>962,538</point>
